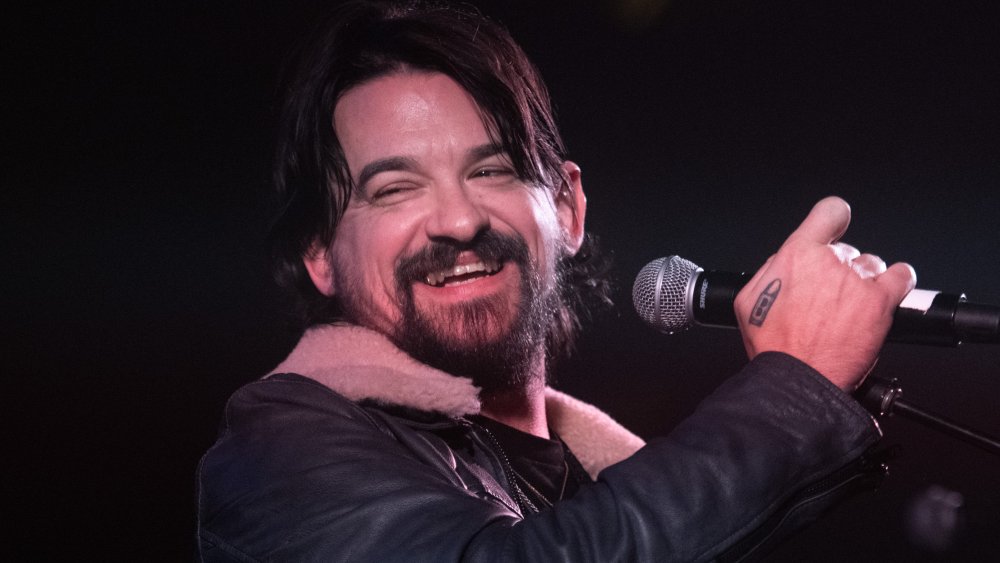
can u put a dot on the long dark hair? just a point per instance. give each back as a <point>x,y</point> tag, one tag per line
<point>361,41</point>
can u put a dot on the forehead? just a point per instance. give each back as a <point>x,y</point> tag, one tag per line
<point>406,113</point>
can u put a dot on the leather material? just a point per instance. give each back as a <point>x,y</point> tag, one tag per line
<point>300,473</point>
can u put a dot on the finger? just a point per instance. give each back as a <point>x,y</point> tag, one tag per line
<point>868,266</point>
<point>899,279</point>
<point>845,252</point>
<point>826,222</point>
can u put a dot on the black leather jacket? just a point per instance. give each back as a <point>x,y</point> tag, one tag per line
<point>301,473</point>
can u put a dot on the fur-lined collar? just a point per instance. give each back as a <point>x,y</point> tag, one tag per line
<point>362,364</point>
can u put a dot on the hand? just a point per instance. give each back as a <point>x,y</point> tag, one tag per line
<point>822,301</point>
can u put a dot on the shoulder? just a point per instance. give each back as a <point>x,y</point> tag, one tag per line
<point>297,467</point>
<point>283,412</point>
<point>273,426</point>
<point>283,393</point>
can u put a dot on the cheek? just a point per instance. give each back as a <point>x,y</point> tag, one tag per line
<point>541,222</point>
<point>368,250</point>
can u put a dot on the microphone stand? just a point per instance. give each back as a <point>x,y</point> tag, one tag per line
<point>882,397</point>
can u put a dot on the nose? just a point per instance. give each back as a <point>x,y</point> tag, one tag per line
<point>457,214</point>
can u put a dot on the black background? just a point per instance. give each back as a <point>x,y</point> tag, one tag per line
<point>138,143</point>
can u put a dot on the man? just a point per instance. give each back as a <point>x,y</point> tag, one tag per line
<point>433,229</point>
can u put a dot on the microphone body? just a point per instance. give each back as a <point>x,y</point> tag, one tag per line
<point>671,294</point>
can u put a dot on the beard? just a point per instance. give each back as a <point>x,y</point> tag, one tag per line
<point>494,342</point>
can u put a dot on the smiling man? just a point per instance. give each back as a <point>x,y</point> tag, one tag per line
<point>443,246</point>
<point>432,230</point>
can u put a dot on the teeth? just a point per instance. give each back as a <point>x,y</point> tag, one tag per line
<point>437,278</point>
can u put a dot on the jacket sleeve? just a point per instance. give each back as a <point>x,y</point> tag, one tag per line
<point>309,477</point>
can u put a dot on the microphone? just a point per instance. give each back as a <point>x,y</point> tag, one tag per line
<point>671,294</point>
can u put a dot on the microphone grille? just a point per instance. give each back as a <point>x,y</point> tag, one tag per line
<point>660,293</point>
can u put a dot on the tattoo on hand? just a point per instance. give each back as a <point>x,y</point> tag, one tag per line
<point>764,302</point>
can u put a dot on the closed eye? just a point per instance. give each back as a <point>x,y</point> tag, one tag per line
<point>393,193</point>
<point>492,172</point>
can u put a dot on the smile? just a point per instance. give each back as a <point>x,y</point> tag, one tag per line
<point>461,274</point>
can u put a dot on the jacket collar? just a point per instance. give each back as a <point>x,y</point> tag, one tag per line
<point>363,364</point>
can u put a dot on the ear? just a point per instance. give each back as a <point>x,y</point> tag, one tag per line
<point>317,262</point>
<point>571,206</point>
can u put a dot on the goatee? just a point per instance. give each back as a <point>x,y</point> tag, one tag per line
<point>485,339</point>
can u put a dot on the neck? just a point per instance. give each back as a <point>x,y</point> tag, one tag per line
<point>522,408</point>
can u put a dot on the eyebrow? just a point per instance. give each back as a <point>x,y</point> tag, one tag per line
<point>484,151</point>
<point>383,165</point>
<point>407,164</point>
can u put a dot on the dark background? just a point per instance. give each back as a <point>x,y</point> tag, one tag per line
<point>137,152</point>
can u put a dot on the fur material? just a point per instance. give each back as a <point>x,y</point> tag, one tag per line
<point>362,364</point>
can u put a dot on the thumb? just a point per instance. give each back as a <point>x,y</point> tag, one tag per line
<point>826,222</point>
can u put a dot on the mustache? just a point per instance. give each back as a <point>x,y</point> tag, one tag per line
<point>488,246</point>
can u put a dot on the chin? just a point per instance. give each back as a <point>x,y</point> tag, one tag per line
<point>487,340</point>
<point>473,324</point>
